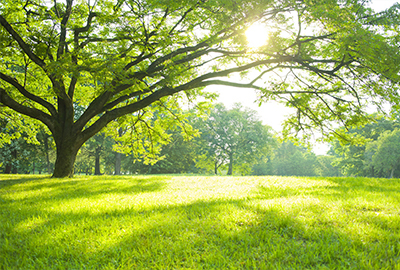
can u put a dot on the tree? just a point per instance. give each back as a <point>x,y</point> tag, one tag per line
<point>324,167</point>
<point>46,149</point>
<point>21,153</point>
<point>178,156</point>
<point>354,158</point>
<point>234,137</point>
<point>117,58</point>
<point>290,159</point>
<point>97,145</point>
<point>387,155</point>
<point>118,156</point>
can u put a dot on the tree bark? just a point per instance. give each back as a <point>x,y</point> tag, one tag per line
<point>97,161</point>
<point>14,169</point>
<point>118,156</point>
<point>8,168</point>
<point>117,168</point>
<point>66,155</point>
<point>230,168</point>
<point>392,172</point>
<point>46,150</point>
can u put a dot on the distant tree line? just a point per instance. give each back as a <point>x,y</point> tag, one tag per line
<point>227,141</point>
<point>375,151</point>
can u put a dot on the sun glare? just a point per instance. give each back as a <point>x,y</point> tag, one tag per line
<point>256,35</point>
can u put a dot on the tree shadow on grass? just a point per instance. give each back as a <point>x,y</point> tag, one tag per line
<point>248,233</point>
<point>11,180</point>
<point>334,187</point>
<point>72,188</point>
<point>366,184</point>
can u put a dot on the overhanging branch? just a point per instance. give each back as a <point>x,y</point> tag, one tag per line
<point>31,112</point>
<point>24,46</point>
<point>27,94</point>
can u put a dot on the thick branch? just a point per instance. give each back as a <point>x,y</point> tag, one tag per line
<point>27,94</point>
<point>321,71</point>
<point>118,112</point>
<point>202,79</point>
<point>63,34</point>
<point>180,20</point>
<point>24,46</point>
<point>88,24</point>
<point>121,99</point>
<point>31,112</point>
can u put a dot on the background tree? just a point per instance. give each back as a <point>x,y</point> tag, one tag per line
<point>46,150</point>
<point>21,152</point>
<point>178,156</point>
<point>354,158</point>
<point>116,58</point>
<point>118,156</point>
<point>324,166</point>
<point>234,137</point>
<point>387,155</point>
<point>293,160</point>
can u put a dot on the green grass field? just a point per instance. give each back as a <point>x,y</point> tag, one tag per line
<point>191,222</point>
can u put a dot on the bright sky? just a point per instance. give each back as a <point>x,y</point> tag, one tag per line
<point>273,113</point>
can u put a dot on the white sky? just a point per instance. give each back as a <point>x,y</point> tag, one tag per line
<point>272,113</point>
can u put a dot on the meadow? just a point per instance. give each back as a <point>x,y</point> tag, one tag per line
<point>195,222</point>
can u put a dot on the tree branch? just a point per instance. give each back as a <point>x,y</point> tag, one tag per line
<point>63,34</point>
<point>31,112</point>
<point>123,98</point>
<point>24,46</point>
<point>180,20</point>
<point>27,94</point>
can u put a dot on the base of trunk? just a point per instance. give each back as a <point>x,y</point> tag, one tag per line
<point>64,166</point>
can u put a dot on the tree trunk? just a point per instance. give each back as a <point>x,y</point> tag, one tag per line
<point>66,155</point>
<point>46,149</point>
<point>117,168</point>
<point>392,172</point>
<point>14,169</point>
<point>216,167</point>
<point>8,168</point>
<point>97,161</point>
<point>118,156</point>
<point>230,169</point>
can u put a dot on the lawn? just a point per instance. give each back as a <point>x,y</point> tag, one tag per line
<point>192,222</point>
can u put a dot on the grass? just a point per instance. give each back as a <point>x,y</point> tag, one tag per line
<point>193,222</point>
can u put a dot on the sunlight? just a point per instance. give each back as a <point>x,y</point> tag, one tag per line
<point>256,35</point>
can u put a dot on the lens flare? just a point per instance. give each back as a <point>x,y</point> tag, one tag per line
<point>256,35</point>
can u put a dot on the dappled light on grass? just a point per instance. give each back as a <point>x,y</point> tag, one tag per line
<point>170,222</point>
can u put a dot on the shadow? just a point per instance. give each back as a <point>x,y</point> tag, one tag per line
<point>334,187</point>
<point>10,180</point>
<point>271,228</point>
<point>367,186</point>
<point>79,187</point>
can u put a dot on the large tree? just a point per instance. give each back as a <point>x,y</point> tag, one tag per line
<point>118,57</point>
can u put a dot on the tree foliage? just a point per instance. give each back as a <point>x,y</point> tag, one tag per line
<point>355,158</point>
<point>23,153</point>
<point>293,160</point>
<point>387,152</point>
<point>118,60</point>
<point>235,138</point>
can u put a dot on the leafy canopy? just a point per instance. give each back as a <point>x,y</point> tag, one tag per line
<point>113,58</point>
<point>234,137</point>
